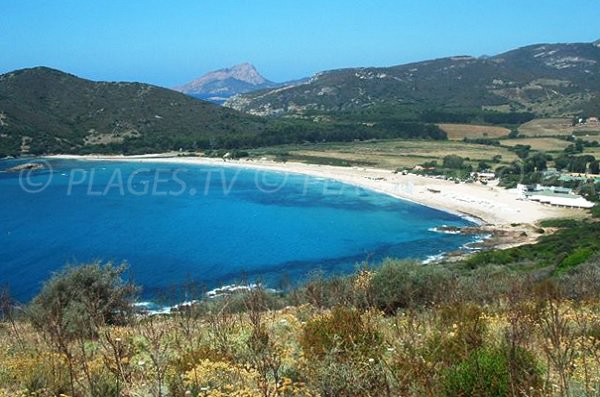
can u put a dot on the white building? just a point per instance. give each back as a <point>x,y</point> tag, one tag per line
<point>552,195</point>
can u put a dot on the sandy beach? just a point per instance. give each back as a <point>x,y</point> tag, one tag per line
<point>493,206</point>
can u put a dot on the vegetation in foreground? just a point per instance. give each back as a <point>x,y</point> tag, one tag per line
<point>473,328</point>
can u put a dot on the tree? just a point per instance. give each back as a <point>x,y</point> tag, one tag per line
<point>482,166</point>
<point>579,164</point>
<point>522,151</point>
<point>75,303</point>
<point>562,162</point>
<point>78,300</point>
<point>595,167</point>
<point>537,162</point>
<point>453,161</point>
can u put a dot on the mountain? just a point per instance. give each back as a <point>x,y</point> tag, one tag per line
<point>545,79</point>
<point>45,111</point>
<point>222,84</point>
<point>48,111</point>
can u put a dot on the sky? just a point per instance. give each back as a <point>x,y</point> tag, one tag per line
<point>171,42</point>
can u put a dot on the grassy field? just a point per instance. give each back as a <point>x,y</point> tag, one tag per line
<point>588,135</point>
<point>556,126</point>
<point>390,154</point>
<point>542,144</point>
<point>460,131</point>
<point>546,127</point>
<point>546,135</point>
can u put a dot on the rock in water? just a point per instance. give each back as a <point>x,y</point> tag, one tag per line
<point>26,167</point>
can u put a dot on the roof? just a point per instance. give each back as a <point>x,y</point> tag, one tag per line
<point>565,200</point>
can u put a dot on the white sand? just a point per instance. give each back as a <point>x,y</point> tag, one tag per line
<point>492,205</point>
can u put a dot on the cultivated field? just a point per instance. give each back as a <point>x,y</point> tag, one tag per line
<point>460,131</point>
<point>546,127</point>
<point>556,126</point>
<point>390,154</point>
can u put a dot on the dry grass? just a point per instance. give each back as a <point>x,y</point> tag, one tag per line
<point>545,127</point>
<point>555,126</point>
<point>593,151</point>
<point>590,136</point>
<point>460,131</point>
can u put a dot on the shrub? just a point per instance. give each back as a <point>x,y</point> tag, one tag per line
<point>487,372</point>
<point>333,378</point>
<point>220,376</point>
<point>343,331</point>
<point>77,300</point>
<point>583,281</point>
<point>462,331</point>
<point>574,259</point>
<point>344,350</point>
<point>105,385</point>
<point>36,373</point>
<point>400,284</point>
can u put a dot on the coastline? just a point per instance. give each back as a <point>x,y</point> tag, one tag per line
<point>492,207</point>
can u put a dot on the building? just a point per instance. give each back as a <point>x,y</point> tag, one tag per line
<point>483,177</point>
<point>553,195</point>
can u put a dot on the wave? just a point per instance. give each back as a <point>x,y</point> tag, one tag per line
<point>444,229</point>
<point>433,258</point>
<point>471,246</point>
<point>151,308</point>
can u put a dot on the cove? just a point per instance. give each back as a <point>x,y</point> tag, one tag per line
<point>175,223</point>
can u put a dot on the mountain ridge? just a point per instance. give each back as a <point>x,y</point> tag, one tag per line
<point>47,111</point>
<point>551,79</point>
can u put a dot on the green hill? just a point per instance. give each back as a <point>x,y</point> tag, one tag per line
<point>545,79</point>
<point>47,111</point>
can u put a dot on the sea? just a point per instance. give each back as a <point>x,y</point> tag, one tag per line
<point>181,225</point>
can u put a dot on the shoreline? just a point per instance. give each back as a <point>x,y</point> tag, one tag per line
<point>482,204</point>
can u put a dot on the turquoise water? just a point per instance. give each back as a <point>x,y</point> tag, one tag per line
<point>175,223</point>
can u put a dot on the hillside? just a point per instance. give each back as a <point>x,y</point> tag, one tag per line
<point>220,85</point>
<point>545,79</point>
<point>47,111</point>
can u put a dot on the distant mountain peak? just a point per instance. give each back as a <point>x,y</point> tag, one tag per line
<point>221,84</point>
<point>244,72</point>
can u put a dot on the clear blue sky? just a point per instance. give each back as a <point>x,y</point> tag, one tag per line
<point>169,42</point>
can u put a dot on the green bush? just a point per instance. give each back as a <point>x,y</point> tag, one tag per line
<point>453,161</point>
<point>500,257</point>
<point>400,284</point>
<point>574,259</point>
<point>77,300</point>
<point>490,373</point>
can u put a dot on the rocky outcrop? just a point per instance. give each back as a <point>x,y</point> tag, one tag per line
<point>26,167</point>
